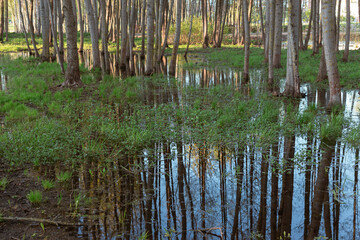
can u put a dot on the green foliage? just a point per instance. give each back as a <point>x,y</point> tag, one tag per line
<point>331,131</point>
<point>35,197</point>
<point>63,176</point>
<point>3,183</point>
<point>47,184</point>
<point>44,141</point>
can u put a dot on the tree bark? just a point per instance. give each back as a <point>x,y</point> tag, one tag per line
<point>278,33</point>
<point>307,38</point>
<point>45,30</point>
<point>172,68</point>
<point>31,27</point>
<point>104,37</point>
<point>347,37</point>
<point>205,23</point>
<point>271,45</point>
<point>328,23</point>
<point>72,75</point>
<point>292,85</point>
<point>55,39</point>
<point>81,48</point>
<point>124,36</point>
<point>149,68</point>
<point>94,34</point>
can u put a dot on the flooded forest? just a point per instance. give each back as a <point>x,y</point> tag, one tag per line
<point>164,119</point>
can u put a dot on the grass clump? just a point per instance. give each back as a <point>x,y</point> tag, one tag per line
<point>3,183</point>
<point>35,197</point>
<point>47,184</point>
<point>63,177</point>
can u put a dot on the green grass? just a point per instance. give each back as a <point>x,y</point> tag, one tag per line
<point>47,184</point>
<point>63,176</point>
<point>3,183</point>
<point>35,197</point>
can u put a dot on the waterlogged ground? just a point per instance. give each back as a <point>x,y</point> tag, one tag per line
<point>205,156</point>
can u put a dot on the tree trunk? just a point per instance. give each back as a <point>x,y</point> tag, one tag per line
<point>166,32</point>
<point>292,85</point>
<point>31,27</point>
<point>205,23</point>
<point>190,29</point>
<point>60,27</point>
<point>55,39</point>
<point>81,48</point>
<point>307,38</point>
<point>2,24</point>
<point>6,20</point>
<point>347,38</point>
<point>322,74</point>
<point>267,26</point>
<point>172,68</point>
<point>149,68</point>
<point>124,25</point>
<point>338,26</point>
<point>143,17</point>
<point>278,33</point>
<point>316,27</point>
<point>328,23</point>
<point>45,30</point>
<point>94,34</point>
<point>72,75</point>
<point>104,37</point>
<point>271,45</point>
<point>23,26</point>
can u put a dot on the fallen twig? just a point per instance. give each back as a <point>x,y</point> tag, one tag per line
<point>39,220</point>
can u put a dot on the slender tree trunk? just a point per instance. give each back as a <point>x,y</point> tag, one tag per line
<point>271,44</point>
<point>143,17</point>
<point>2,24</point>
<point>104,37</point>
<point>6,20</point>
<point>60,27</point>
<point>278,33</point>
<point>149,68</point>
<point>190,29</point>
<point>23,26</point>
<point>338,26</point>
<point>55,39</point>
<point>81,48</point>
<point>172,68</point>
<point>124,36</point>
<point>31,27</point>
<point>267,28</point>
<point>247,42</point>
<point>347,38</point>
<point>72,75</point>
<point>307,38</point>
<point>205,23</point>
<point>94,34</point>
